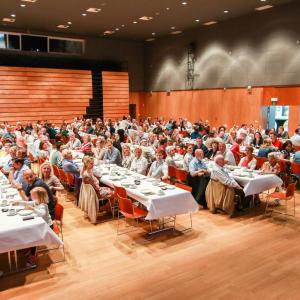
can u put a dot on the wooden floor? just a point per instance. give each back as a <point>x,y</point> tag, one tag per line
<point>248,257</point>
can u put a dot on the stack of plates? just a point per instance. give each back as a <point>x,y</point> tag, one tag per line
<point>146,191</point>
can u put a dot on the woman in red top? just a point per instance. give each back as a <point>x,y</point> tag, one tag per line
<point>249,160</point>
<point>86,145</point>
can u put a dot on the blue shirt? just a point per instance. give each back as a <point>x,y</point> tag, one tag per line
<point>70,167</point>
<point>196,165</point>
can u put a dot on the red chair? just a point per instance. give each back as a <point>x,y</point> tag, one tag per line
<point>31,157</point>
<point>286,196</point>
<point>70,180</point>
<point>295,168</point>
<point>189,189</point>
<point>297,148</point>
<point>41,160</point>
<point>260,161</point>
<point>62,176</point>
<point>55,170</point>
<point>172,173</point>
<point>129,211</point>
<point>58,223</point>
<point>181,175</point>
<point>282,164</point>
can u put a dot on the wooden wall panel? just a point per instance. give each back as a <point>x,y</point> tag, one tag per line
<point>31,94</point>
<point>115,95</point>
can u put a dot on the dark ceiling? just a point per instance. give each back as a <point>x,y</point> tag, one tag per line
<point>45,15</point>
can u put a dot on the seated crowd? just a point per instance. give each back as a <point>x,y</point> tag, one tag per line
<point>148,147</point>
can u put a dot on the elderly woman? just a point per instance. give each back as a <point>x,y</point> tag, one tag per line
<point>86,145</point>
<point>73,143</point>
<point>159,168</point>
<point>249,160</point>
<point>99,148</point>
<point>46,174</point>
<point>188,157</point>
<point>127,157</point>
<point>170,150</point>
<point>88,177</point>
<point>271,166</point>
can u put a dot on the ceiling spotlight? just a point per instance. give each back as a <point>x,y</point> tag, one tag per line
<point>84,15</point>
<point>13,15</point>
<point>10,20</point>
<point>123,25</point>
<point>209,23</point>
<point>150,40</point>
<point>197,20</point>
<point>167,8</point>
<point>117,29</point>
<point>153,33</point>
<point>176,32</point>
<point>109,32</point>
<point>157,13</point>
<point>29,1</point>
<point>263,7</point>
<point>69,23</point>
<point>184,3</point>
<point>63,26</point>
<point>173,27</point>
<point>145,18</point>
<point>134,22</point>
<point>22,5</point>
<point>226,11</point>
<point>93,10</point>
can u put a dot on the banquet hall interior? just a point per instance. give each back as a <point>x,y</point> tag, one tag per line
<point>149,149</point>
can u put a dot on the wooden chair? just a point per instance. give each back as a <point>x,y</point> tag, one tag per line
<point>189,189</point>
<point>62,177</point>
<point>55,170</point>
<point>260,161</point>
<point>172,173</point>
<point>129,211</point>
<point>287,195</point>
<point>181,175</point>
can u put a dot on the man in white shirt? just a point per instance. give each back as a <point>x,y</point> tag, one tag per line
<point>139,163</point>
<point>228,155</point>
<point>295,139</point>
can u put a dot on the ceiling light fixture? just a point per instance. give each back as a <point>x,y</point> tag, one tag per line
<point>150,40</point>
<point>226,11</point>
<point>153,33</point>
<point>84,15</point>
<point>145,18</point>
<point>22,5</point>
<point>62,26</point>
<point>13,15</point>
<point>167,8</point>
<point>263,7</point>
<point>69,23</point>
<point>10,20</point>
<point>117,29</point>
<point>210,23</point>
<point>197,20</point>
<point>176,32</point>
<point>184,3</point>
<point>93,10</point>
<point>32,1</point>
<point>134,22</point>
<point>109,32</point>
<point>123,25</point>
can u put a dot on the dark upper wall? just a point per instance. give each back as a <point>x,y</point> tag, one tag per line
<point>258,49</point>
<point>100,53</point>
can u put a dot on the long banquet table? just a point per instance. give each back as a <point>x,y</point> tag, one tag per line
<point>17,233</point>
<point>174,201</point>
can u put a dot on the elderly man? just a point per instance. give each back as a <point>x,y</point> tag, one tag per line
<point>199,145</point>
<point>221,190</point>
<point>33,181</point>
<point>139,163</point>
<point>68,164</point>
<point>73,143</point>
<point>198,177</point>
<point>112,155</point>
<point>170,150</point>
<point>228,155</point>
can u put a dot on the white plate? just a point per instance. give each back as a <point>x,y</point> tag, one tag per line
<point>170,187</point>
<point>146,191</point>
<point>114,178</point>
<point>25,212</point>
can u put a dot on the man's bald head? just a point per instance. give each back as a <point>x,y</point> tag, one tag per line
<point>219,160</point>
<point>29,176</point>
<point>199,154</point>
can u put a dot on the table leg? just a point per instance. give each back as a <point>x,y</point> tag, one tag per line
<point>16,259</point>
<point>9,260</point>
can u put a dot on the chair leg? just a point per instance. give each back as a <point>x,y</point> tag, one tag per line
<point>118,223</point>
<point>294,206</point>
<point>191,219</point>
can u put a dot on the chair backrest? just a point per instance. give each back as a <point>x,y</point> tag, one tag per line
<point>181,175</point>
<point>55,170</point>
<point>297,148</point>
<point>120,191</point>
<point>62,175</point>
<point>260,161</point>
<point>41,160</point>
<point>295,168</point>
<point>237,157</point>
<point>58,212</point>
<point>171,171</point>
<point>183,186</point>
<point>290,190</point>
<point>282,165</point>
<point>125,205</point>
<point>70,179</point>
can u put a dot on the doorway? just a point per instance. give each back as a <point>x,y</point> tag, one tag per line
<point>278,116</point>
<point>132,111</point>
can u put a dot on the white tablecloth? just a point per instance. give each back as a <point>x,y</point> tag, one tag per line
<point>17,234</point>
<point>173,202</point>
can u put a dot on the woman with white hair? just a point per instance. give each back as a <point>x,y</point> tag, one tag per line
<point>271,166</point>
<point>73,143</point>
<point>170,150</point>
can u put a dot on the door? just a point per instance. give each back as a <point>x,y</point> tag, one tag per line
<point>132,110</point>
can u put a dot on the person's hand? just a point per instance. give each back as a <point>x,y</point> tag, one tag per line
<point>200,173</point>
<point>18,186</point>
